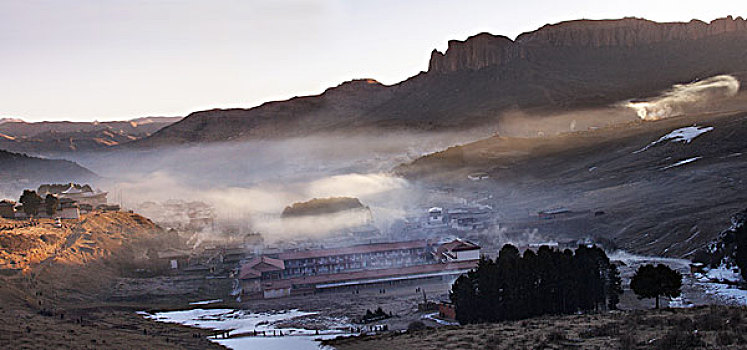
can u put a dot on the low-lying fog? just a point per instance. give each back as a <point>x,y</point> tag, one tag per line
<point>251,182</point>
<point>254,181</point>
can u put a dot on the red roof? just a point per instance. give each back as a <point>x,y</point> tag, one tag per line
<point>255,267</point>
<point>459,245</point>
<point>356,249</point>
<point>369,274</point>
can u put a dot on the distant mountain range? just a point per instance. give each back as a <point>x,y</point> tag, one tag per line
<point>565,66</point>
<point>50,138</point>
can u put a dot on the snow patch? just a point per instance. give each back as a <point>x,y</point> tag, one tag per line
<point>724,274</point>
<point>206,302</point>
<point>682,162</point>
<point>434,317</point>
<point>686,134</point>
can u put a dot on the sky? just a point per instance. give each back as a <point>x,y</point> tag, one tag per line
<point>116,60</point>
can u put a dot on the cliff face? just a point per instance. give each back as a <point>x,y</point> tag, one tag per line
<point>485,50</point>
<point>576,64</point>
<point>477,52</point>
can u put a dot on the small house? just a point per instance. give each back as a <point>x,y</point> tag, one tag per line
<point>458,250</point>
<point>260,269</point>
<point>175,258</point>
<point>68,209</point>
<point>435,216</point>
<point>446,310</point>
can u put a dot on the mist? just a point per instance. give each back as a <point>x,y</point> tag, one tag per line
<point>250,183</point>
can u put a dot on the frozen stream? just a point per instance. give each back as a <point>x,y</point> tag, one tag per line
<point>242,322</point>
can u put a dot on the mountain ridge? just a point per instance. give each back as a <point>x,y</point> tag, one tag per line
<point>564,66</point>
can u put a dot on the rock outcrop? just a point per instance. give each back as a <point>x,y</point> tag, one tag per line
<point>485,50</point>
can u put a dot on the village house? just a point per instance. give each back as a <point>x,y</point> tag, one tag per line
<point>446,310</point>
<point>458,250</point>
<point>68,209</point>
<point>82,194</point>
<point>260,269</point>
<point>174,258</point>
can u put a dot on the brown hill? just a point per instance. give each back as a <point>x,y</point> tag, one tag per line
<point>53,138</point>
<point>54,281</point>
<point>563,66</point>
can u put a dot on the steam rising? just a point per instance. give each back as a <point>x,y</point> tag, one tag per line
<point>248,184</point>
<point>685,96</point>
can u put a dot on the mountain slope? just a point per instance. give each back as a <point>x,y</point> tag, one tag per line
<point>19,171</point>
<point>658,196</point>
<point>52,138</point>
<point>577,64</point>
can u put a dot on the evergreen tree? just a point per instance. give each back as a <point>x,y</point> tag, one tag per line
<point>654,282</point>
<point>614,287</point>
<point>51,202</point>
<point>739,227</point>
<point>464,299</point>
<point>547,282</point>
<point>508,278</point>
<point>31,202</point>
<point>487,289</point>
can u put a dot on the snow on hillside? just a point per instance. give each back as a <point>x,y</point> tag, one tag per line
<point>682,162</point>
<point>686,134</point>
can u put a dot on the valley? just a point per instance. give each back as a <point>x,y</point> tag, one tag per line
<point>352,213</point>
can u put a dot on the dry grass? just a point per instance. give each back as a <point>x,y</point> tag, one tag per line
<point>706,327</point>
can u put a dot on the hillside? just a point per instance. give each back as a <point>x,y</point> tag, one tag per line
<point>566,66</point>
<point>55,280</point>
<point>708,328</point>
<point>659,188</point>
<point>54,138</point>
<point>19,171</point>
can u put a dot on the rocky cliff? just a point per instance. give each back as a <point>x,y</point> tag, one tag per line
<point>565,66</point>
<point>485,50</point>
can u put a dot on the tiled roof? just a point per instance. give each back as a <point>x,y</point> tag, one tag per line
<point>256,266</point>
<point>370,274</point>
<point>357,249</point>
<point>458,245</point>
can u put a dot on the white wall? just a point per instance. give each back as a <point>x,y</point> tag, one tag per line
<point>465,255</point>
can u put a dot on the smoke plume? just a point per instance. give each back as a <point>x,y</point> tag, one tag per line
<point>683,97</point>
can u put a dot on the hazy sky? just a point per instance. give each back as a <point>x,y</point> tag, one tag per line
<point>111,60</point>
